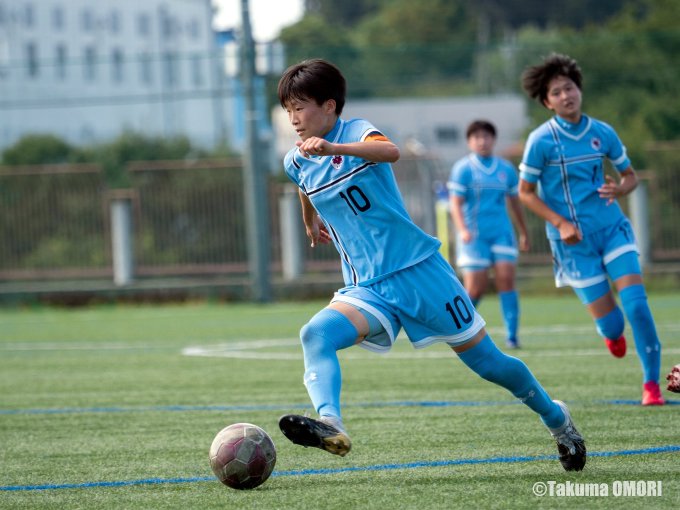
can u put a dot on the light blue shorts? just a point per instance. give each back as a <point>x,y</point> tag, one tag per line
<point>426,299</point>
<point>584,264</point>
<point>482,253</point>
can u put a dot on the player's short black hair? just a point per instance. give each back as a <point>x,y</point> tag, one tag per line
<point>480,125</point>
<point>315,79</point>
<point>535,79</point>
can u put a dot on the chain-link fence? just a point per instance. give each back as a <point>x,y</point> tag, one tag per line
<point>188,218</point>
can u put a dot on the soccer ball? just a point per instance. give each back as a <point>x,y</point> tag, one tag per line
<point>242,456</point>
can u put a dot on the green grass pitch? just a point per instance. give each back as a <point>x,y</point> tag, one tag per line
<point>116,406</point>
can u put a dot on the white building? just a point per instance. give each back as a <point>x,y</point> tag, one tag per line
<point>85,70</point>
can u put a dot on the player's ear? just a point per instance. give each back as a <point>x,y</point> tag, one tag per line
<point>329,106</point>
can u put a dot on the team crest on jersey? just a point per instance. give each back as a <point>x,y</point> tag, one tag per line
<point>595,143</point>
<point>336,162</point>
<point>502,176</point>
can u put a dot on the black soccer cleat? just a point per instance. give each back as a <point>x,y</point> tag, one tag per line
<point>315,433</point>
<point>570,444</point>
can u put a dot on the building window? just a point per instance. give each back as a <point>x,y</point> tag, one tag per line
<point>167,25</point>
<point>143,25</point>
<point>90,68</point>
<point>87,20</point>
<point>171,69</point>
<point>58,18</point>
<point>115,22</point>
<point>29,15</point>
<point>447,134</point>
<point>146,69</point>
<point>117,65</point>
<point>197,70</point>
<point>32,60</point>
<point>4,58</point>
<point>194,29</point>
<point>61,61</point>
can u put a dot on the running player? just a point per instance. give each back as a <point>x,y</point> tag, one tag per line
<point>590,237</point>
<point>394,275</point>
<point>481,188</point>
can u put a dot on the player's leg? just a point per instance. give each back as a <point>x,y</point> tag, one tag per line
<point>625,271</point>
<point>509,300</point>
<point>334,328</point>
<point>608,317</point>
<point>474,260</point>
<point>482,356</point>
<point>476,282</point>
<point>445,313</point>
<point>504,255</point>
<point>581,267</point>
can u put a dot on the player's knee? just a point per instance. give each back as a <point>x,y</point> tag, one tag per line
<point>313,335</point>
<point>634,301</point>
<point>327,328</point>
<point>611,325</point>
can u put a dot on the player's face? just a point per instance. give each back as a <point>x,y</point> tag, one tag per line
<point>564,98</point>
<point>481,142</point>
<point>311,119</point>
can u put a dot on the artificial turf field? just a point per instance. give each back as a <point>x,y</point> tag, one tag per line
<point>116,406</point>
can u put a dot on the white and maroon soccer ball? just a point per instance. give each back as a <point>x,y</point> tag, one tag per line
<point>242,456</point>
<point>673,379</point>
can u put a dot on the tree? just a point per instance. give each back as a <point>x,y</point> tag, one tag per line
<point>630,71</point>
<point>38,149</point>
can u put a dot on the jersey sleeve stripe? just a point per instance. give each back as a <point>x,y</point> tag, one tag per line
<point>454,186</point>
<point>529,170</point>
<point>620,160</point>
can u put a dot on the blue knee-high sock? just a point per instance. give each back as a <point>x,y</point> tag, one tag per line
<point>327,332</point>
<point>510,311</point>
<point>611,325</point>
<point>634,302</point>
<point>491,364</point>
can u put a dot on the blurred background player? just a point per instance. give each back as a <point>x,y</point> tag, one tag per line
<point>394,274</point>
<point>481,188</point>
<point>590,237</point>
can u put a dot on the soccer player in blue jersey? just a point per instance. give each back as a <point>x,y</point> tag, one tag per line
<point>590,237</point>
<point>481,188</point>
<point>393,272</point>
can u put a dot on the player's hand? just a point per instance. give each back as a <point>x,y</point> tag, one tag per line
<point>315,146</point>
<point>317,233</point>
<point>465,236</point>
<point>569,233</point>
<point>610,190</point>
<point>524,244</point>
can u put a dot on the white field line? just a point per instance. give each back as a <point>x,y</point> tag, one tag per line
<point>266,349</point>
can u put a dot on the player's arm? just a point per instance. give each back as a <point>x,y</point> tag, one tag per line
<point>569,233</point>
<point>611,189</point>
<point>377,148</point>
<point>456,205</point>
<point>518,215</point>
<point>316,230</point>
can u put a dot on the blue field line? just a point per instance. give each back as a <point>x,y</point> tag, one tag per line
<point>287,407</point>
<point>332,471</point>
<point>258,407</point>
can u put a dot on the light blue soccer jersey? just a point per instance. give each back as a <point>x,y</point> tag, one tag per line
<point>484,183</point>
<point>361,206</point>
<point>567,161</point>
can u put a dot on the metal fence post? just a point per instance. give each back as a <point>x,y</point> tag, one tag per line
<point>639,216</point>
<point>292,257</point>
<point>122,238</point>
